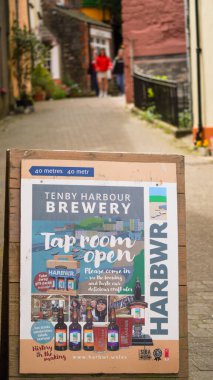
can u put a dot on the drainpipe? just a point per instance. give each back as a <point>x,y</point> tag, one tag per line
<point>29,5</point>
<point>28,15</point>
<point>199,94</point>
<point>17,11</point>
<point>188,54</point>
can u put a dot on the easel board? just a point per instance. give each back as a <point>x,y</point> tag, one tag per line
<point>128,194</point>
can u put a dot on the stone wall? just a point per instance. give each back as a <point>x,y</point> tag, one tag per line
<point>174,67</point>
<point>72,35</point>
<point>152,28</point>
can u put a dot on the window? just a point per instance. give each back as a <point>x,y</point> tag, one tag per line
<point>100,43</point>
<point>47,62</point>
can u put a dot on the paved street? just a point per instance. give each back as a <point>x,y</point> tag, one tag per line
<point>106,125</point>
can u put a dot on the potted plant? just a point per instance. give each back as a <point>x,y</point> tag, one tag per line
<point>202,147</point>
<point>38,94</point>
<point>42,83</point>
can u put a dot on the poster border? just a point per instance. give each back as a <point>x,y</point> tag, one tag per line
<point>12,241</point>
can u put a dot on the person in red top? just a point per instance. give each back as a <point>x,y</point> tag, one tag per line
<point>103,65</point>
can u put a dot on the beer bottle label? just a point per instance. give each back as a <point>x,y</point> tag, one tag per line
<point>137,312</point>
<point>113,338</point>
<point>75,337</point>
<point>88,338</point>
<point>60,338</point>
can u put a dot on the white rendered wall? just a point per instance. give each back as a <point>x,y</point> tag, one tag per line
<point>206,59</point>
<point>55,62</point>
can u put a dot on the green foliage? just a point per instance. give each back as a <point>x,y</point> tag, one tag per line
<point>42,79</point>
<point>185,119</point>
<point>26,49</point>
<point>73,87</point>
<point>58,93</point>
<point>90,3</point>
<point>150,114</point>
<point>150,93</point>
<point>68,81</point>
<point>161,77</point>
<point>138,273</point>
<point>91,223</point>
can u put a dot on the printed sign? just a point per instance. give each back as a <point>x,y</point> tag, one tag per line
<point>99,267</point>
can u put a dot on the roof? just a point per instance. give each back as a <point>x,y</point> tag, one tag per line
<point>45,34</point>
<point>82,17</point>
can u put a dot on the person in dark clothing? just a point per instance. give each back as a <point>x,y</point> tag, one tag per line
<point>118,71</point>
<point>93,75</point>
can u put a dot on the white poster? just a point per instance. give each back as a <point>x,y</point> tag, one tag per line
<point>99,267</point>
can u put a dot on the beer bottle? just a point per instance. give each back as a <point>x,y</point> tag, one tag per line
<point>137,290</point>
<point>88,331</point>
<point>61,332</point>
<point>113,333</point>
<point>75,332</point>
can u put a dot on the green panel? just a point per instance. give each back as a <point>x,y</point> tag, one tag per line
<point>138,274</point>
<point>157,198</point>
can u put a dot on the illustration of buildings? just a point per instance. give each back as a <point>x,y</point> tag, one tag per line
<point>87,233</point>
<point>119,225</point>
<point>135,225</point>
<point>109,226</point>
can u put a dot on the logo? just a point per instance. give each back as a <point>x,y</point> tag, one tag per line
<point>157,353</point>
<point>166,353</point>
<point>144,354</point>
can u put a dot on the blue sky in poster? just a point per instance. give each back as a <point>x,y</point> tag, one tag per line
<point>154,191</point>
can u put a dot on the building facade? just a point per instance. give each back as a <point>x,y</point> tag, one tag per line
<point>154,39</point>
<point>4,70</point>
<point>77,35</point>
<point>37,26</point>
<point>18,12</point>
<point>202,27</point>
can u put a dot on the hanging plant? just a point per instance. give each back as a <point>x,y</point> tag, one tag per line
<point>26,51</point>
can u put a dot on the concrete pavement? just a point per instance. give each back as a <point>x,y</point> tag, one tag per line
<point>105,125</point>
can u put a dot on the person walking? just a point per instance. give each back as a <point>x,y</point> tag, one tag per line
<point>103,65</point>
<point>93,73</point>
<point>118,71</point>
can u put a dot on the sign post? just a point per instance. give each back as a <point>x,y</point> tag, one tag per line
<point>102,264</point>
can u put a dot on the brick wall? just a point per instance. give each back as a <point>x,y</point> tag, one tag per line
<point>152,28</point>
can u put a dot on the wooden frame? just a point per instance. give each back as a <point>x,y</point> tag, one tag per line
<point>11,272</point>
